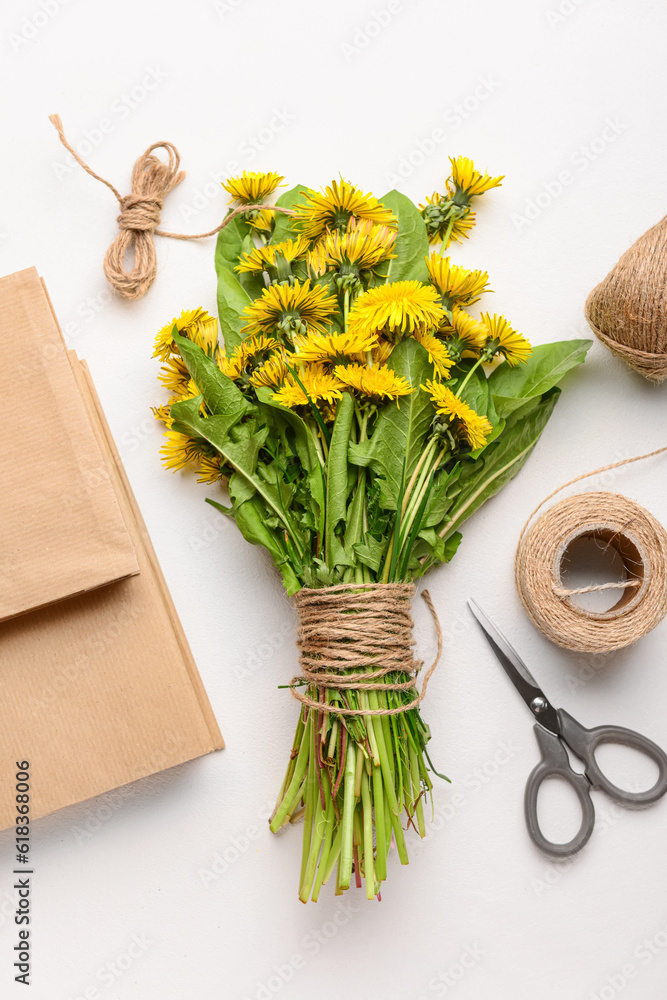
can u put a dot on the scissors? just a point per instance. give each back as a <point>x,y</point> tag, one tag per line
<point>555,730</point>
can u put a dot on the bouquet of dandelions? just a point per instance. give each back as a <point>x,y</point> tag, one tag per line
<point>356,414</point>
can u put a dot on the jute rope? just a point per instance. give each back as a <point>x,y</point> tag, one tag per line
<point>652,366</point>
<point>628,309</point>
<point>352,635</point>
<point>139,218</point>
<point>613,521</point>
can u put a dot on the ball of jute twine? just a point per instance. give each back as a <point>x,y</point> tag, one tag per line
<point>628,310</point>
<point>350,636</point>
<point>139,218</point>
<point>614,521</point>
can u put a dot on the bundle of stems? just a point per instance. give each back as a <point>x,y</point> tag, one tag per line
<point>354,780</point>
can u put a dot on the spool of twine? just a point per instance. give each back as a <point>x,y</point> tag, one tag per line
<point>613,521</point>
<point>359,637</point>
<point>628,310</point>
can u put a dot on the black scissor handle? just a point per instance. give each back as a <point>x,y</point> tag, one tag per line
<point>555,764</point>
<point>584,742</point>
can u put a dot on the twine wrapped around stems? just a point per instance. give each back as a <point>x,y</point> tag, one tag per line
<point>350,636</point>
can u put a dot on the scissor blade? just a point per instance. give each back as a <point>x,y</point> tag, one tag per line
<point>518,672</point>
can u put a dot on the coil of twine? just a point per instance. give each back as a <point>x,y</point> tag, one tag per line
<point>351,637</point>
<point>628,310</point>
<point>139,218</point>
<point>613,521</point>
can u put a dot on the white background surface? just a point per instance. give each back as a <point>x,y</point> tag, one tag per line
<point>132,865</point>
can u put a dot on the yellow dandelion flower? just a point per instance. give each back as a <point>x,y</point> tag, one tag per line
<point>333,346</point>
<point>475,427</point>
<point>271,373</point>
<point>262,221</point>
<point>317,382</point>
<point>379,381</point>
<point>470,332</point>
<point>252,186</point>
<point>174,375</point>
<point>210,470</point>
<point>396,309</point>
<point>195,324</point>
<point>436,215</point>
<point>456,284</point>
<point>162,413</point>
<point>438,354</point>
<point>187,391</point>
<point>362,247</point>
<point>247,351</point>
<point>178,450</point>
<point>316,260</point>
<point>506,341</point>
<point>466,178</point>
<point>296,307</point>
<point>333,208</point>
<point>262,258</point>
<point>380,354</point>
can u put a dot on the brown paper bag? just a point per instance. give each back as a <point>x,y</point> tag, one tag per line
<point>100,688</point>
<point>62,529</point>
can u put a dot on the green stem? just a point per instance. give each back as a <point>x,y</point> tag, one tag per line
<point>295,801</point>
<point>297,777</point>
<point>312,798</point>
<point>292,761</point>
<point>418,495</point>
<point>416,791</point>
<point>481,489</point>
<point>461,387</point>
<point>322,820</point>
<point>334,854</point>
<point>426,454</point>
<point>347,819</point>
<point>369,872</point>
<point>380,831</point>
<point>326,851</point>
<point>389,782</point>
<point>445,239</point>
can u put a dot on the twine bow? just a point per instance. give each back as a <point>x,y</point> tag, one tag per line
<point>139,218</point>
